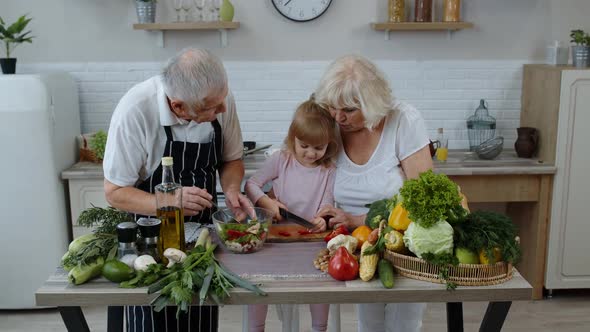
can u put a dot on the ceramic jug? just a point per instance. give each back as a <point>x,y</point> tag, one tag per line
<point>526,143</point>
<point>433,145</point>
<point>226,12</point>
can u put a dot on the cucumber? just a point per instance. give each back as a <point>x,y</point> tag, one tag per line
<point>385,273</point>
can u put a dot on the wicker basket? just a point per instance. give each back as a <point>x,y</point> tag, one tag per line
<point>462,274</point>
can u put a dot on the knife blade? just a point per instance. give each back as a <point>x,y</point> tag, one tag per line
<point>295,218</point>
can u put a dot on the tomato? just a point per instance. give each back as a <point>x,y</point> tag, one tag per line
<point>343,266</point>
<point>282,233</point>
<point>337,231</point>
<point>304,232</point>
<point>232,234</point>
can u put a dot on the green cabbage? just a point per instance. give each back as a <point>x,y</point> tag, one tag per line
<point>436,239</point>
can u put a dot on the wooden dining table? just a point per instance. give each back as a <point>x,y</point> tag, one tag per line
<point>286,273</point>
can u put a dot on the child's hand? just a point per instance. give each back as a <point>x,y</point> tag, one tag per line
<point>320,225</point>
<point>272,205</point>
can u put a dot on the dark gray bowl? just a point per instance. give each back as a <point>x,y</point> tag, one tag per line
<point>491,148</point>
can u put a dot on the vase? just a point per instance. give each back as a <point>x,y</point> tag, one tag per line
<point>226,12</point>
<point>526,143</point>
<point>8,65</point>
<point>146,11</point>
<point>580,56</point>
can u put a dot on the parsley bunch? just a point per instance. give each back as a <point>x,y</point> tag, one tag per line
<point>430,198</point>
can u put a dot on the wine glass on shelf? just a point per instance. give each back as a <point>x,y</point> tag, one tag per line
<point>177,7</point>
<point>199,5</point>
<point>186,6</point>
<point>212,11</point>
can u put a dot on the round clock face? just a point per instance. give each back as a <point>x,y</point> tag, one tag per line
<point>301,10</point>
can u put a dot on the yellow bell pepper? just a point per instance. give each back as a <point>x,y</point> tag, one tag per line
<point>398,218</point>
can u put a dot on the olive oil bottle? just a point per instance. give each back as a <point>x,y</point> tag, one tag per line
<point>169,209</point>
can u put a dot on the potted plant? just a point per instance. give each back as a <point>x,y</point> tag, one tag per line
<point>580,48</point>
<point>146,11</point>
<point>12,36</point>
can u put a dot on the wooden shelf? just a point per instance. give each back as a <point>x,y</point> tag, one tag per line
<point>187,26</point>
<point>159,28</point>
<point>450,27</point>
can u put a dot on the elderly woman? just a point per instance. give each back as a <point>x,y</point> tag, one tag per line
<point>384,142</point>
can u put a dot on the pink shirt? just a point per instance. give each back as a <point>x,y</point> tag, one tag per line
<point>302,189</point>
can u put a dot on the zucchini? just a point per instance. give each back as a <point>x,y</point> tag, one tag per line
<point>385,273</point>
<point>82,273</point>
<point>79,242</point>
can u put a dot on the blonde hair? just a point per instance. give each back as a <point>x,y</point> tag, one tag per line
<point>354,82</point>
<point>313,125</point>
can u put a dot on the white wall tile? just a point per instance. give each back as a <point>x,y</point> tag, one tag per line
<point>268,92</point>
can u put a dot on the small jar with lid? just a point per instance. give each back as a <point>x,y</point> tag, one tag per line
<point>149,228</point>
<point>423,11</point>
<point>397,11</point>
<point>452,11</point>
<point>127,235</point>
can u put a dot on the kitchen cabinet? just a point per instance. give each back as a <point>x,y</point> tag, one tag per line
<point>555,100</point>
<point>84,193</point>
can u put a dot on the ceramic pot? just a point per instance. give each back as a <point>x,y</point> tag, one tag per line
<point>8,65</point>
<point>146,11</point>
<point>526,143</point>
<point>581,56</point>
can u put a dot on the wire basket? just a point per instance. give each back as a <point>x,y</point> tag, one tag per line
<point>481,126</point>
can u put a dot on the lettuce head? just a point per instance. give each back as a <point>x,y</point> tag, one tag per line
<point>436,239</point>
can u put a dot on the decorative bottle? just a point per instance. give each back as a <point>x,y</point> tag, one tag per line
<point>226,12</point>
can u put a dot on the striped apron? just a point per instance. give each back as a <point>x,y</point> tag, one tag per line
<point>195,164</point>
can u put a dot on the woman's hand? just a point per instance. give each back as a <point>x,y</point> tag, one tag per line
<point>240,205</point>
<point>195,200</point>
<point>273,205</point>
<point>336,217</point>
<point>320,225</point>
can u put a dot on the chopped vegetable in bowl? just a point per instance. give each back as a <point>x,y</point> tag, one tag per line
<point>242,237</point>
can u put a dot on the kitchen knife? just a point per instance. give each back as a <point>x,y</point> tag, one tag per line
<point>295,218</point>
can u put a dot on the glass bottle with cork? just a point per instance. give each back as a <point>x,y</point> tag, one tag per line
<point>443,149</point>
<point>169,209</point>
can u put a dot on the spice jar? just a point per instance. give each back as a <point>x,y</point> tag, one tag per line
<point>423,11</point>
<point>397,11</point>
<point>149,228</point>
<point>127,235</point>
<point>452,11</point>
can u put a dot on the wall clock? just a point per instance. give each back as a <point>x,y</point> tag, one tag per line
<point>301,10</point>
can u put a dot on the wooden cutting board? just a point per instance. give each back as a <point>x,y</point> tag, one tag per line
<point>292,229</point>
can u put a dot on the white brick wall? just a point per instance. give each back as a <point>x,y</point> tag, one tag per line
<point>446,92</point>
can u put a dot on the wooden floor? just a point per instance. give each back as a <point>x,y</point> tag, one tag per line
<point>565,312</point>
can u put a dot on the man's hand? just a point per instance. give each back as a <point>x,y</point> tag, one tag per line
<point>240,205</point>
<point>195,200</point>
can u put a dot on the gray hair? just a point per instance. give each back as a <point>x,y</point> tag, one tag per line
<point>355,82</point>
<point>193,75</point>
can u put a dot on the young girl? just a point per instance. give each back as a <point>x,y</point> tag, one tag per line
<point>302,176</point>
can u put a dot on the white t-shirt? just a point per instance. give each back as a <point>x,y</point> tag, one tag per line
<point>404,133</point>
<point>136,137</point>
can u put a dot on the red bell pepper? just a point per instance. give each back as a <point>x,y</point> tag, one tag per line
<point>343,266</point>
<point>282,233</point>
<point>335,232</point>
<point>232,234</point>
<point>304,232</point>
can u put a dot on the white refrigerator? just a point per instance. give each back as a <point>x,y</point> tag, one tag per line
<point>39,122</point>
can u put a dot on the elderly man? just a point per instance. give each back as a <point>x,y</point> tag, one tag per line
<point>187,113</point>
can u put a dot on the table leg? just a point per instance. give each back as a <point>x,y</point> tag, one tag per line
<point>73,318</point>
<point>454,317</point>
<point>115,319</point>
<point>495,316</point>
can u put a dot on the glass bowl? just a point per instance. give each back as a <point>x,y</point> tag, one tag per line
<point>242,237</point>
<point>491,148</point>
